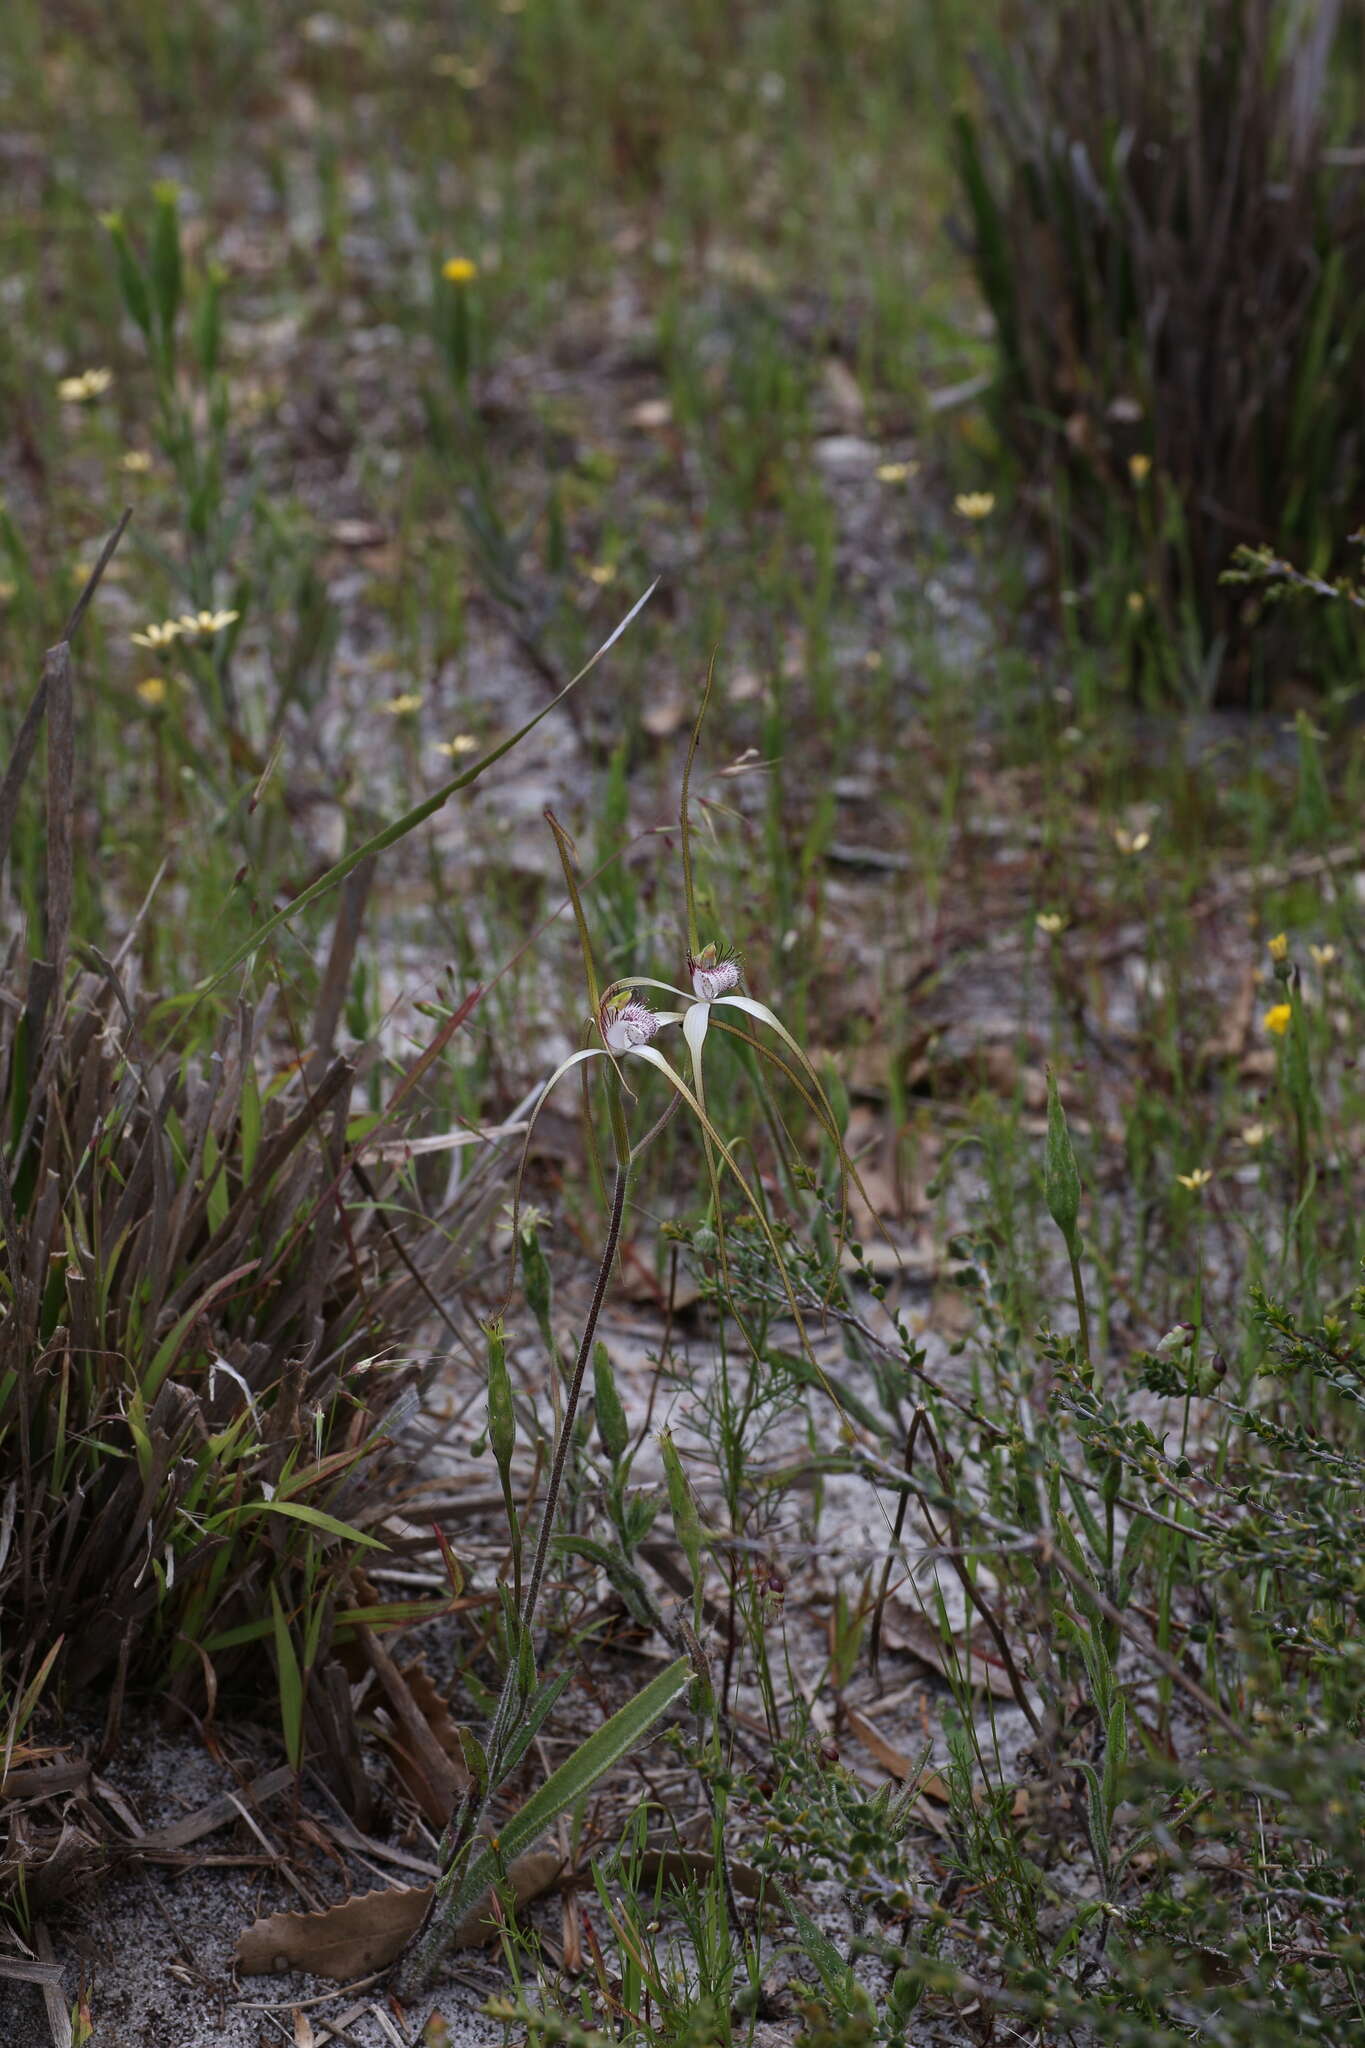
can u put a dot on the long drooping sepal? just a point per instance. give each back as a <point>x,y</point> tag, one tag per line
<point>676,1081</point>
<point>410,820</point>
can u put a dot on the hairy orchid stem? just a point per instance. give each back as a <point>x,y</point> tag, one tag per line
<point>561,1457</point>
<point>432,1942</point>
<point>684,814</point>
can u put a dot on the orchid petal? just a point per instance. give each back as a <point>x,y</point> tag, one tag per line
<point>694,1024</point>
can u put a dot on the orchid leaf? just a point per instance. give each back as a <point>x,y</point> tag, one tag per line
<point>572,1782</point>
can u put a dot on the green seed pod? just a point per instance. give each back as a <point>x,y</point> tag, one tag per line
<point>502,1423</point>
<point>535,1278</point>
<point>612,1427</point>
<point>686,1520</point>
<point>1062,1180</point>
<point>163,262</point>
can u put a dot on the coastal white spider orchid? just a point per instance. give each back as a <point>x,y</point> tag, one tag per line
<point>628,1024</point>
<point>712,973</point>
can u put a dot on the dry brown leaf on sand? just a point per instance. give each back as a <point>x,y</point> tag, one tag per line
<point>935,1787</point>
<point>905,1629</point>
<point>369,1932</point>
<point>432,1790</point>
<point>424,1743</point>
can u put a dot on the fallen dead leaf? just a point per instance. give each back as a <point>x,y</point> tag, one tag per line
<point>369,1932</point>
<point>907,1630</point>
<point>683,1866</point>
<point>639,1282</point>
<point>423,1742</point>
<point>433,1799</point>
<point>936,1788</point>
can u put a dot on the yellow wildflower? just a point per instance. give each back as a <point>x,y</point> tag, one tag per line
<point>160,636</point>
<point>896,472</point>
<point>80,390</point>
<point>1137,602</point>
<point>1198,1178</point>
<point>207,623</point>
<point>1254,1135</point>
<point>1139,468</point>
<point>1278,947</point>
<point>1322,957</point>
<point>974,504</point>
<point>463,743</point>
<point>1051,921</point>
<point>403,705</point>
<point>152,691</point>
<point>1277,1018</point>
<point>136,461</point>
<point>471,76</point>
<point>602,573</point>
<point>459,270</point>
<point>1131,842</point>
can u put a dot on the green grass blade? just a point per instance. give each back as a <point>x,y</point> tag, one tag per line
<point>290,1683</point>
<point>297,1512</point>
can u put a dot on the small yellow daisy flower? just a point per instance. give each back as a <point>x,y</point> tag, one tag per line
<point>1254,1135</point>
<point>1322,957</point>
<point>1195,1180</point>
<point>1278,947</point>
<point>80,390</point>
<point>207,623</point>
<point>403,705</point>
<point>160,636</point>
<point>1051,921</point>
<point>896,472</point>
<point>1131,842</point>
<point>974,504</point>
<point>1276,1018</point>
<point>135,461</point>
<point>152,691</point>
<point>602,573</point>
<point>463,743</point>
<point>1139,468</point>
<point>459,270</point>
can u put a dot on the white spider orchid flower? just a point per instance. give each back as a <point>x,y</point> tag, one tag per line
<point>712,975</point>
<point>627,1024</point>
